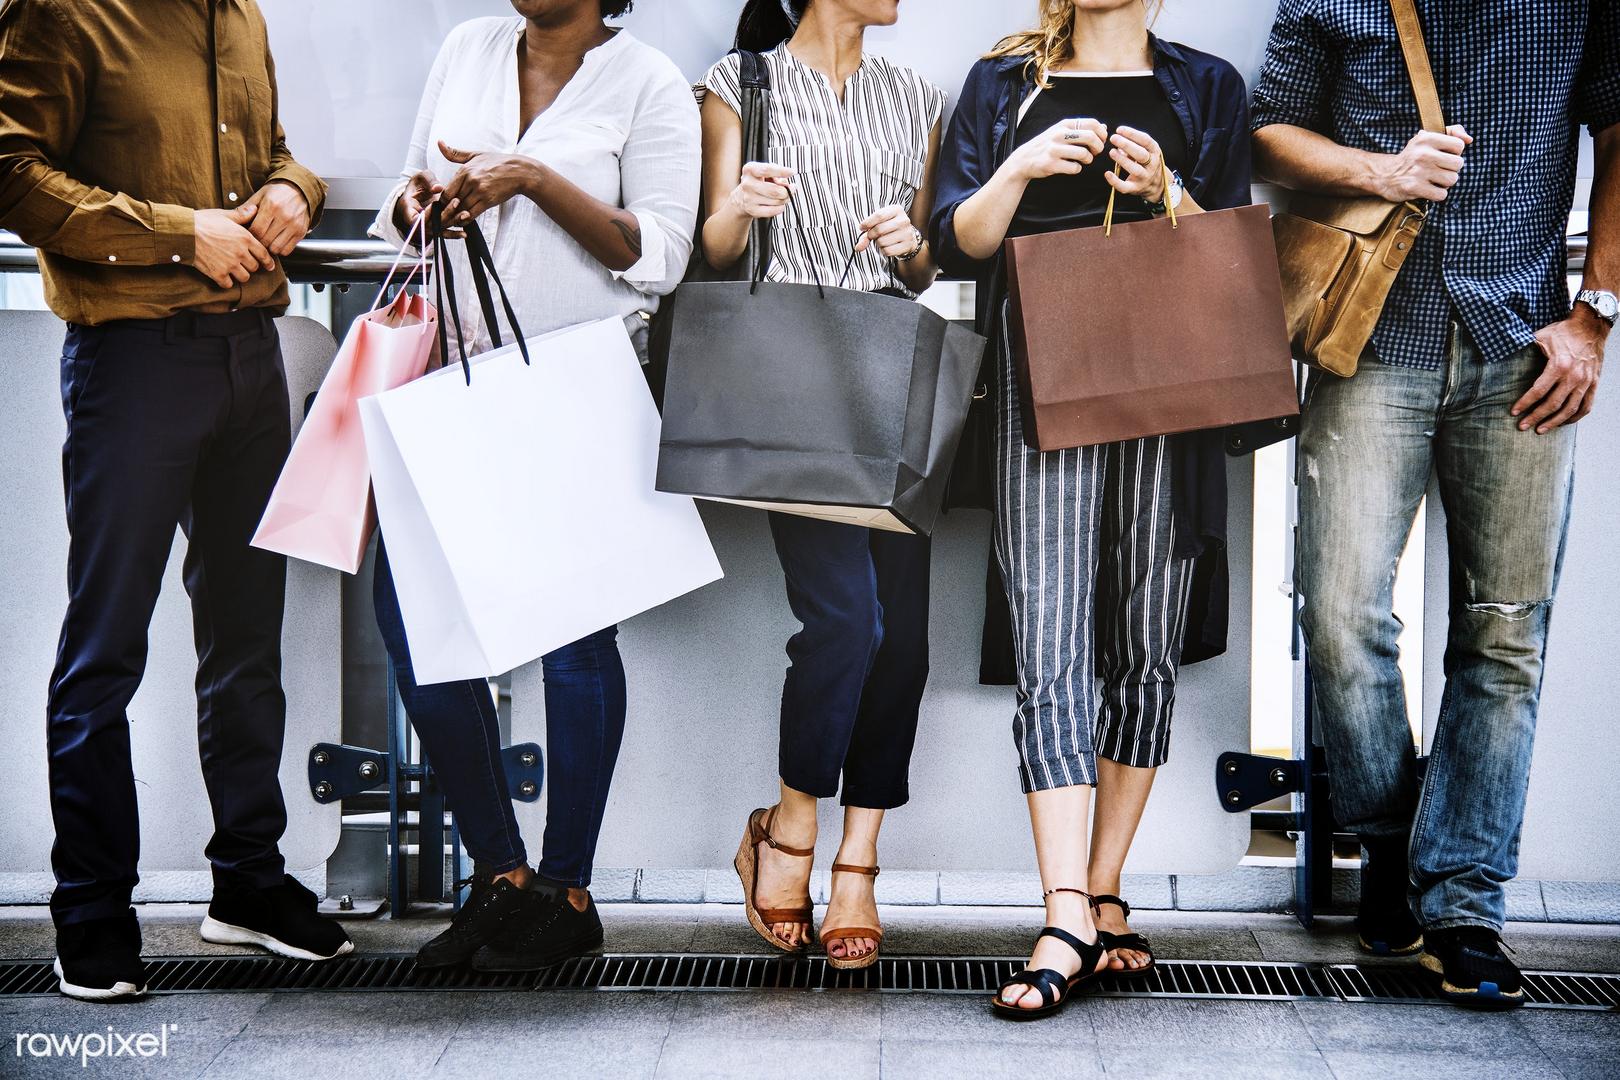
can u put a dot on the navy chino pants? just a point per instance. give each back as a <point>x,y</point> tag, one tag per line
<point>859,664</point>
<point>182,421</point>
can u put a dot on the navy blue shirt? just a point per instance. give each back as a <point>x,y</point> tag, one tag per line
<point>1212,104</point>
<point>1521,77</point>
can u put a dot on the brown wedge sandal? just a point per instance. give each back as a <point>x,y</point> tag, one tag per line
<point>747,864</point>
<point>828,936</point>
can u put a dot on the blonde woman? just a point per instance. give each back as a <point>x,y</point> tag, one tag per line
<point>1097,545</point>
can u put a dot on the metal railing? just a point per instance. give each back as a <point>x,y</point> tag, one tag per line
<point>318,262</point>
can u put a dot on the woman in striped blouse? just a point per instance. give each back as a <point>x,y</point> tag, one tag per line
<point>853,141</point>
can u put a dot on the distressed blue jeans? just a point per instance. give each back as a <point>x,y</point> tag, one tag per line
<point>1367,448</point>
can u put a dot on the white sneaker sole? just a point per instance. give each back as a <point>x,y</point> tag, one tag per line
<point>220,933</point>
<point>123,991</point>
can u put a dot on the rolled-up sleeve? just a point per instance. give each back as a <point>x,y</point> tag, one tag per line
<point>44,70</point>
<point>660,169</point>
<point>1598,98</point>
<point>1292,88</point>
<point>966,163</point>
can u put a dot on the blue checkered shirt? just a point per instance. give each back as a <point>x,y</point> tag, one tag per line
<point>1521,76</point>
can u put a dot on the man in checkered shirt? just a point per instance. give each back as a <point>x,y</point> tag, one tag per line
<point>1478,372</point>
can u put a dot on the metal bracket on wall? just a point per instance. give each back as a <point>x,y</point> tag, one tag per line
<point>337,771</point>
<point>525,771</point>
<point>1244,781</point>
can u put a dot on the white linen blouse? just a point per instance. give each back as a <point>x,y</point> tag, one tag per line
<point>625,129</point>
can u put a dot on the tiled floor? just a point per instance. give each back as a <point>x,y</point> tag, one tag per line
<point>787,1035</point>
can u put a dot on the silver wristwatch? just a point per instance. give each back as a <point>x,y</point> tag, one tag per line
<point>1173,192</point>
<point>1605,303</point>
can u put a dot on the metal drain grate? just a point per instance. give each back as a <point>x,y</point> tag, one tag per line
<point>1226,980</point>
<point>936,975</point>
<point>1402,983</point>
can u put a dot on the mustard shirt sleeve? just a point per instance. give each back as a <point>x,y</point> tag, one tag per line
<point>43,66</point>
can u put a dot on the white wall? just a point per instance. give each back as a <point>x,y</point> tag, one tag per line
<point>351,73</point>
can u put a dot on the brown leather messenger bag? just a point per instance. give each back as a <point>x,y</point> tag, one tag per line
<point>1339,256</point>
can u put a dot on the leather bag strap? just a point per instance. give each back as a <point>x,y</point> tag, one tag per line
<point>1418,70</point>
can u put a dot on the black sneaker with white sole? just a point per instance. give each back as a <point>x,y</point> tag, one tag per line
<point>543,936</point>
<point>491,907</point>
<point>282,919</point>
<point>100,960</point>
<point>1385,925</point>
<point>1472,968</point>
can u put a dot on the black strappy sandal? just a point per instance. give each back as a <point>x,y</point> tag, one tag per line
<point>1133,941</point>
<point>1054,987</point>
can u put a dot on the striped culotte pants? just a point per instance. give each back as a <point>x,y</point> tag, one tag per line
<point>1085,539</point>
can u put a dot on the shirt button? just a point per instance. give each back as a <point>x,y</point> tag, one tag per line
<point>223,128</point>
<point>112,258</point>
<point>174,258</point>
<point>231,196</point>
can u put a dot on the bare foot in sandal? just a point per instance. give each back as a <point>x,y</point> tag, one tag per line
<point>852,902</point>
<point>1127,951</point>
<point>1070,911</point>
<point>784,879</point>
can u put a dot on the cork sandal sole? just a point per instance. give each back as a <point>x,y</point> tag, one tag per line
<point>747,866</point>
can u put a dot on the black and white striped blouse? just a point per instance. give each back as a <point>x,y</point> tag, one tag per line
<point>853,157</point>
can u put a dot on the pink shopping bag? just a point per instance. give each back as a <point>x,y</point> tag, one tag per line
<point>321,510</point>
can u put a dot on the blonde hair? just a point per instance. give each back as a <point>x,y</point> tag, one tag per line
<point>1051,43</point>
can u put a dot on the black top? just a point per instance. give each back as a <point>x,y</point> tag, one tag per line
<point>1076,202</point>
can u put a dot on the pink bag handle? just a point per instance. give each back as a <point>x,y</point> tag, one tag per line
<point>419,226</point>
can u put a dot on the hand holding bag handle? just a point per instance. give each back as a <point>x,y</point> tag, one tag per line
<point>1340,256</point>
<point>1108,217</point>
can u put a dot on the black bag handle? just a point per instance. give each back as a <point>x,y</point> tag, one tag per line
<point>754,76</point>
<point>444,285</point>
<point>482,265</point>
<point>483,272</point>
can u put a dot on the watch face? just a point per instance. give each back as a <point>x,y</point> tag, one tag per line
<point>1608,305</point>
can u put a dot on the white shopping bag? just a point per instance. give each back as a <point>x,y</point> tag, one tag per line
<point>519,508</point>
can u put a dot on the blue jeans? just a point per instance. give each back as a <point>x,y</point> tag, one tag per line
<point>460,730</point>
<point>1367,448</point>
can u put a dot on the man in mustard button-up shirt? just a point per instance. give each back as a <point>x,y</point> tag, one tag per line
<point>141,154</point>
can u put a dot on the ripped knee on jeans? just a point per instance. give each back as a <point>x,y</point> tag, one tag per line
<point>1512,612</point>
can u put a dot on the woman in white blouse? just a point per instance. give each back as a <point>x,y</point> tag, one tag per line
<point>853,140</point>
<point>576,148</point>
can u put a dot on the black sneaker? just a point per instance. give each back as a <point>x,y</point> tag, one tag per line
<point>100,960</point>
<point>281,919</point>
<point>492,905</point>
<point>1385,925</point>
<point>1472,967</point>
<point>546,934</point>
